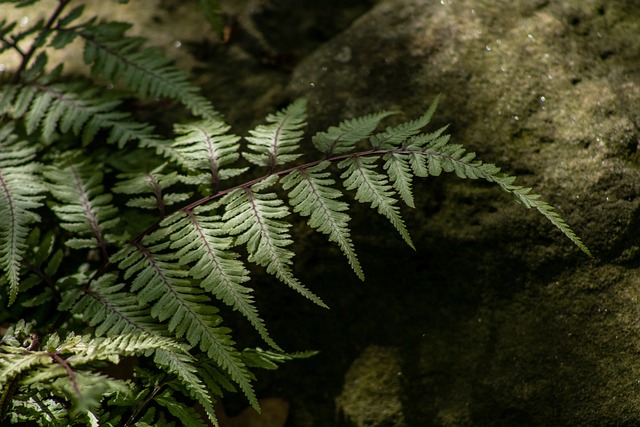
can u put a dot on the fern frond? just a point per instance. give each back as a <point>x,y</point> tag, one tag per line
<point>116,312</point>
<point>344,137</point>
<point>86,349</point>
<point>111,310</point>
<point>188,309</point>
<point>199,242</point>
<point>415,152</point>
<point>221,274</point>
<point>524,195</point>
<point>373,187</point>
<point>155,183</point>
<point>15,361</point>
<point>20,196</point>
<point>63,364</point>
<point>63,37</point>
<point>215,381</point>
<point>113,55</point>
<point>312,195</point>
<point>74,107</point>
<point>264,359</point>
<point>206,149</point>
<point>256,219</point>
<point>184,413</point>
<point>454,158</point>
<point>394,136</point>
<point>401,175</point>
<point>277,142</point>
<point>85,209</point>
<point>181,365</point>
<point>47,411</point>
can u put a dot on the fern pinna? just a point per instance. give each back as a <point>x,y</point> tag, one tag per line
<point>136,258</point>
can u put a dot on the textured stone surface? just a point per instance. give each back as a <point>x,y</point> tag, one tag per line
<point>500,320</point>
<point>372,391</point>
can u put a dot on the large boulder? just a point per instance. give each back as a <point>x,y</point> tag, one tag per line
<point>500,321</point>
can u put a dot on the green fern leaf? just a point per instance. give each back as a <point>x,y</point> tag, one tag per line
<point>84,209</point>
<point>20,196</point>
<point>215,380</point>
<point>189,311</point>
<point>206,150</point>
<point>76,107</point>
<point>276,143</point>
<point>312,195</point>
<point>155,183</point>
<point>8,93</point>
<point>454,158</point>
<point>416,155</point>
<point>256,219</point>
<point>394,136</point>
<point>523,195</point>
<point>107,307</point>
<point>15,361</point>
<point>400,172</point>
<point>433,140</point>
<point>37,111</point>
<point>88,349</point>
<point>181,365</point>
<point>184,413</point>
<point>199,241</point>
<point>115,56</point>
<point>49,412</point>
<point>22,101</point>
<point>373,187</point>
<point>191,314</point>
<point>116,312</point>
<point>84,388</point>
<point>344,137</point>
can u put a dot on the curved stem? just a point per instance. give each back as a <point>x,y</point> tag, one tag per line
<point>34,46</point>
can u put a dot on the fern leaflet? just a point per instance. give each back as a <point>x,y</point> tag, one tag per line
<point>344,137</point>
<point>312,195</point>
<point>115,56</point>
<point>199,241</point>
<point>84,208</point>
<point>394,136</point>
<point>255,219</point>
<point>276,143</point>
<point>206,149</point>
<point>189,310</point>
<point>74,107</point>
<point>153,182</point>
<point>106,306</point>
<point>115,312</point>
<point>181,365</point>
<point>400,173</point>
<point>373,187</point>
<point>186,415</point>
<point>20,196</point>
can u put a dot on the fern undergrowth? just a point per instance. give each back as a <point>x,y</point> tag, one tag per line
<point>118,242</point>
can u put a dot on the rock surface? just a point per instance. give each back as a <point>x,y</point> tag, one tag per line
<point>373,381</point>
<point>500,320</point>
